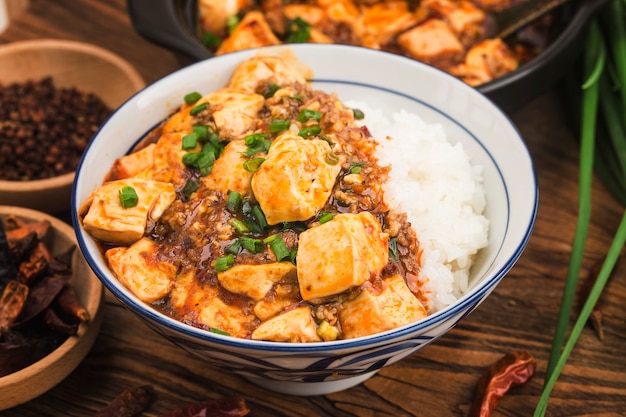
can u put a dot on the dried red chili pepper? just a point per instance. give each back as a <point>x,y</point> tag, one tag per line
<point>70,304</point>
<point>21,248</point>
<point>40,297</point>
<point>12,303</point>
<point>219,407</point>
<point>57,324</point>
<point>129,403</point>
<point>8,270</point>
<point>36,265</point>
<point>512,369</point>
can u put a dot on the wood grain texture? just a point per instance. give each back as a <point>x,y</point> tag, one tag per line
<point>437,381</point>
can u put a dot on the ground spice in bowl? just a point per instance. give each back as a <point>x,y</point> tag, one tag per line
<point>44,129</point>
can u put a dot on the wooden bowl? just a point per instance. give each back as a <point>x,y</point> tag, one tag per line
<point>32,381</point>
<point>83,66</point>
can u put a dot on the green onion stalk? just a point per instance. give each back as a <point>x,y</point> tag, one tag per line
<point>602,100</point>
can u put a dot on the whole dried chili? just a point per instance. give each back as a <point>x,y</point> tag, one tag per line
<point>37,311</point>
<point>514,368</point>
<point>44,129</point>
<point>219,407</point>
<point>130,402</point>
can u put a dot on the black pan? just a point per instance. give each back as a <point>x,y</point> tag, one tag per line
<point>173,24</point>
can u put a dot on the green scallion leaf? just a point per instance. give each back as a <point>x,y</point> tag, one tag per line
<point>393,249</point>
<point>326,217</point>
<point>211,40</point>
<point>307,114</point>
<point>225,262</point>
<point>218,331</point>
<point>231,23</point>
<point>311,131</point>
<point>279,248</point>
<point>202,131</point>
<point>356,167</point>
<point>251,244</point>
<point>270,90</point>
<point>331,158</point>
<point>358,114</point>
<point>298,31</point>
<point>190,141</point>
<point>190,187</point>
<point>279,125</point>
<point>240,226</point>
<point>259,216</point>
<point>192,97</point>
<point>253,165</point>
<point>233,201</point>
<point>197,109</point>
<point>128,197</point>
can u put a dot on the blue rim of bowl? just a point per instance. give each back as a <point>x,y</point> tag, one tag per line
<point>467,301</point>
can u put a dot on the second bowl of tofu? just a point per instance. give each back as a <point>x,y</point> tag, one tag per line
<point>450,35</point>
<point>271,210</point>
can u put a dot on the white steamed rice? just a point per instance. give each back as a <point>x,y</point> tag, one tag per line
<point>442,192</point>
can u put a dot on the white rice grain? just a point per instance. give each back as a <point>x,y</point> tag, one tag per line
<point>442,192</point>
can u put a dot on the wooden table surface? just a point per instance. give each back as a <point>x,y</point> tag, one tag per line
<point>436,381</point>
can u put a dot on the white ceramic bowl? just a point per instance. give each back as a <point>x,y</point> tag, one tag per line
<point>386,81</point>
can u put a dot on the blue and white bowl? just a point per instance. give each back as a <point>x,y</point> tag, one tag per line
<point>389,82</point>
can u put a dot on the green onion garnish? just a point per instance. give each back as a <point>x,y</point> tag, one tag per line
<point>234,201</point>
<point>259,216</point>
<point>251,244</point>
<point>278,247</point>
<point>128,197</point>
<point>308,114</point>
<point>197,109</point>
<point>190,141</point>
<point>331,158</point>
<point>326,217</point>
<point>279,125</point>
<point>231,23</point>
<point>356,167</point>
<point>358,114</point>
<point>218,331</point>
<point>253,165</point>
<point>225,262</point>
<point>393,249</point>
<point>298,31</point>
<point>192,97</point>
<point>256,143</point>
<point>240,226</point>
<point>202,131</point>
<point>308,132</point>
<point>190,187</point>
<point>270,90</point>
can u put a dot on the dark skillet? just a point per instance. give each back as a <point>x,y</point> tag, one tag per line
<point>172,24</point>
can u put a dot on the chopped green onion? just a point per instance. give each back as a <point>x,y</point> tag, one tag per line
<point>128,197</point>
<point>190,141</point>
<point>251,244</point>
<point>202,131</point>
<point>192,97</point>
<point>234,247</point>
<point>308,132</point>
<point>197,109</point>
<point>225,262</point>
<point>233,201</point>
<point>240,226</point>
<point>278,247</point>
<point>256,143</point>
<point>270,239</point>
<point>393,249</point>
<point>308,114</point>
<point>253,165</point>
<point>331,158</point>
<point>279,125</point>
<point>356,167</point>
<point>270,90</point>
<point>259,216</point>
<point>231,23</point>
<point>218,331</point>
<point>211,40</point>
<point>358,114</point>
<point>326,217</point>
<point>298,31</point>
<point>190,187</point>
